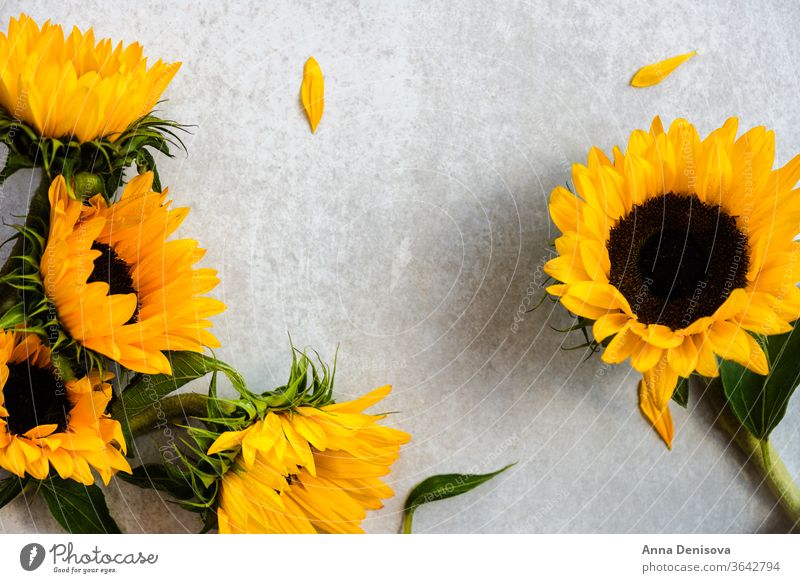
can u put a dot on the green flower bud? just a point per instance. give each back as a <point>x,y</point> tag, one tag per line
<point>87,185</point>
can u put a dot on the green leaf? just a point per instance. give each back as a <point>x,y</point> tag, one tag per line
<point>10,488</point>
<point>160,477</point>
<point>681,394</point>
<point>144,391</point>
<point>78,509</point>
<point>759,402</point>
<point>439,488</point>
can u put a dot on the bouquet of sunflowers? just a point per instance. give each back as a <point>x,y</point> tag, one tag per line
<point>104,314</point>
<point>678,254</point>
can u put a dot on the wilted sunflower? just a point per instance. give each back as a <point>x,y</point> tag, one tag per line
<point>119,287</point>
<point>307,470</point>
<point>680,251</point>
<point>47,422</point>
<point>64,86</point>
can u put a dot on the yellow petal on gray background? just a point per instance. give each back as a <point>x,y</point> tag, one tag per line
<point>654,74</point>
<point>312,92</point>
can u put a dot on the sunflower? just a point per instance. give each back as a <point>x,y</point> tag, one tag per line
<point>47,422</point>
<point>307,470</point>
<point>119,287</point>
<point>681,251</point>
<point>76,86</point>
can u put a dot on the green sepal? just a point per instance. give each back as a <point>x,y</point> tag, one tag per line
<point>13,317</point>
<point>681,393</point>
<point>219,462</point>
<point>21,273</point>
<point>309,385</point>
<point>104,158</point>
<point>145,390</point>
<point>582,325</point>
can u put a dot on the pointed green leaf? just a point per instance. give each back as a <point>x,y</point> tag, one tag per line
<point>759,402</point>
<point>10,488</point>
<point>681,394</point>
<point>78,509</point>
<point>441,487</point>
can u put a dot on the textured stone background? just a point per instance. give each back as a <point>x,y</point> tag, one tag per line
<point>411,227</point>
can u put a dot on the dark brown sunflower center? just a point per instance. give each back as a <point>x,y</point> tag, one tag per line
<point>34,396</point>
<point>110,268</point>
<point>676,259</point>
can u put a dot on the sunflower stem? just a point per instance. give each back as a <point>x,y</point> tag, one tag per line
<point>762,454</point>
<point>176,408</point>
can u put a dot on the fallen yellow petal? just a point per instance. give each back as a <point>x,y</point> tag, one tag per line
<point>654,74</point>
<point>312,92</point>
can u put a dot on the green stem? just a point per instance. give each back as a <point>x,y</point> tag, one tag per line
<point>177,408</point>
<point>762,454</point>
<point>408,521</point>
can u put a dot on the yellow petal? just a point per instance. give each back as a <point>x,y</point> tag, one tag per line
<point>609,325</point>
<point>706,359</point>
<point>624,343</point>
<point>312,92</point>
<point>683,358</point>
<point>595,260</point>
<point>654,74</point>
<point>659,335</point>
<point>598,295</point>
<point>730,342</point>
<point>227,440</point>
<point>565,209</point>
<point>660,419</point>
<point>647,357</point>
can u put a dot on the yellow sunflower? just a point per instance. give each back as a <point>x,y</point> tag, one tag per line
<point>65,86</point>
<point>308,470</point>
<point>119,287</point>
<point>680,250</point>
<point>48,422</point>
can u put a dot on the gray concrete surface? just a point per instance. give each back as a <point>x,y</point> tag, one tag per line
<point>409,229</point>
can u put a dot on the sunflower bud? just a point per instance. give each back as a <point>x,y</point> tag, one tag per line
<point>86,185</point>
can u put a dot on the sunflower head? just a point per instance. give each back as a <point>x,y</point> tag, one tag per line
<point>302,464</point>
<point>48,422</point>
<point>73,103</point>
<point>678,252</point>
<point>111,283</point>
